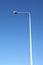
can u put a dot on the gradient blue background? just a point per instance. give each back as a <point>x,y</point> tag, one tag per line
<point>14,32</point>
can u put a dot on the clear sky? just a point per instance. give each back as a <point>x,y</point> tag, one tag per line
<point>14,32</point>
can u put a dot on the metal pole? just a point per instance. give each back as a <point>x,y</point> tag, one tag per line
<point>30,38</point>
<point>14,12</point>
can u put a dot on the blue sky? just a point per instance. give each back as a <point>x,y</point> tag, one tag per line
<point>14,32</point>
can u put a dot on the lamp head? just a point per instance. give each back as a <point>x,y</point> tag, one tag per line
<point>14,12</point>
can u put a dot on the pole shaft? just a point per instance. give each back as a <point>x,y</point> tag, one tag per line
<point>30,38</point>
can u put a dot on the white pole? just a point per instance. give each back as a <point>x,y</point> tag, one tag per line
<point>30,38</point>
<point>14,12</point>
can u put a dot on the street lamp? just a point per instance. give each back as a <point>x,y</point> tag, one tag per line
<point>15,12</point>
